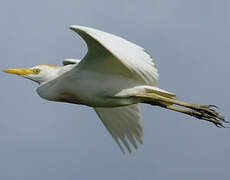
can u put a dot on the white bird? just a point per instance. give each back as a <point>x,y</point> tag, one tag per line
<point>113,78</point>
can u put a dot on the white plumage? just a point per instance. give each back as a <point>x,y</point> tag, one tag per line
<point>124,124</point>
<point>113,77</point>
<point>109,51</point>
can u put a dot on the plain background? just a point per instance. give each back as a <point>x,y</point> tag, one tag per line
<point>55,141</point>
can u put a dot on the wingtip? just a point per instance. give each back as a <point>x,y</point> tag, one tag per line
<point>76,27</point>
<point>72,27</point>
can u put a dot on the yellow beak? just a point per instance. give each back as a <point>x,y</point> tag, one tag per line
<point>21,72</point>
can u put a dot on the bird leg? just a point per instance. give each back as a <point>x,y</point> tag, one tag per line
<point>203,112</point>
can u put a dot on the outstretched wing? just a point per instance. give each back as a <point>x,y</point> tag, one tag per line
<point>124,124</point>
<point>111,55</point>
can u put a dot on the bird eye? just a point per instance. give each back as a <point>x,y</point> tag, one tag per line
<point>36,71</point>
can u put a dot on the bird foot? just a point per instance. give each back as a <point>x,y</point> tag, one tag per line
<point>206,112</point>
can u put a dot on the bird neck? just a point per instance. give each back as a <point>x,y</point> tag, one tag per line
<point>55,73</point>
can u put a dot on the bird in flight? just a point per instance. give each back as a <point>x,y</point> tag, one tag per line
<point>113,78</point>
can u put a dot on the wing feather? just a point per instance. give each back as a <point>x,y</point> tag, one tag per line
<point>110,54</point>
<point>124,124</point>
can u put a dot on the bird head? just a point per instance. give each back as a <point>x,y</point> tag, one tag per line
<point>40,74</point>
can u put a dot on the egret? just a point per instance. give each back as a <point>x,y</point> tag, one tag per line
<point>113,78</point>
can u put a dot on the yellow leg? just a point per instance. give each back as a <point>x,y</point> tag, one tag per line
<point>203,112</point>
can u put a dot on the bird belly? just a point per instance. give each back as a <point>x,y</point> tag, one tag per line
<point>91,89</point>
<point>93,99</point>
<point>95,94</point>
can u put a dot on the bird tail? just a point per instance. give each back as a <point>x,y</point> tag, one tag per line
<point>168,100</point>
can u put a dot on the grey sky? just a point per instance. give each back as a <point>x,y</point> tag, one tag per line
<point>46,140</point>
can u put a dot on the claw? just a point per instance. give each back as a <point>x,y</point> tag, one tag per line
<point>215,121</point>
<point>213,106</point>
<point>208,114</point>
<point>223,119</point>
<point>205,112</point>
